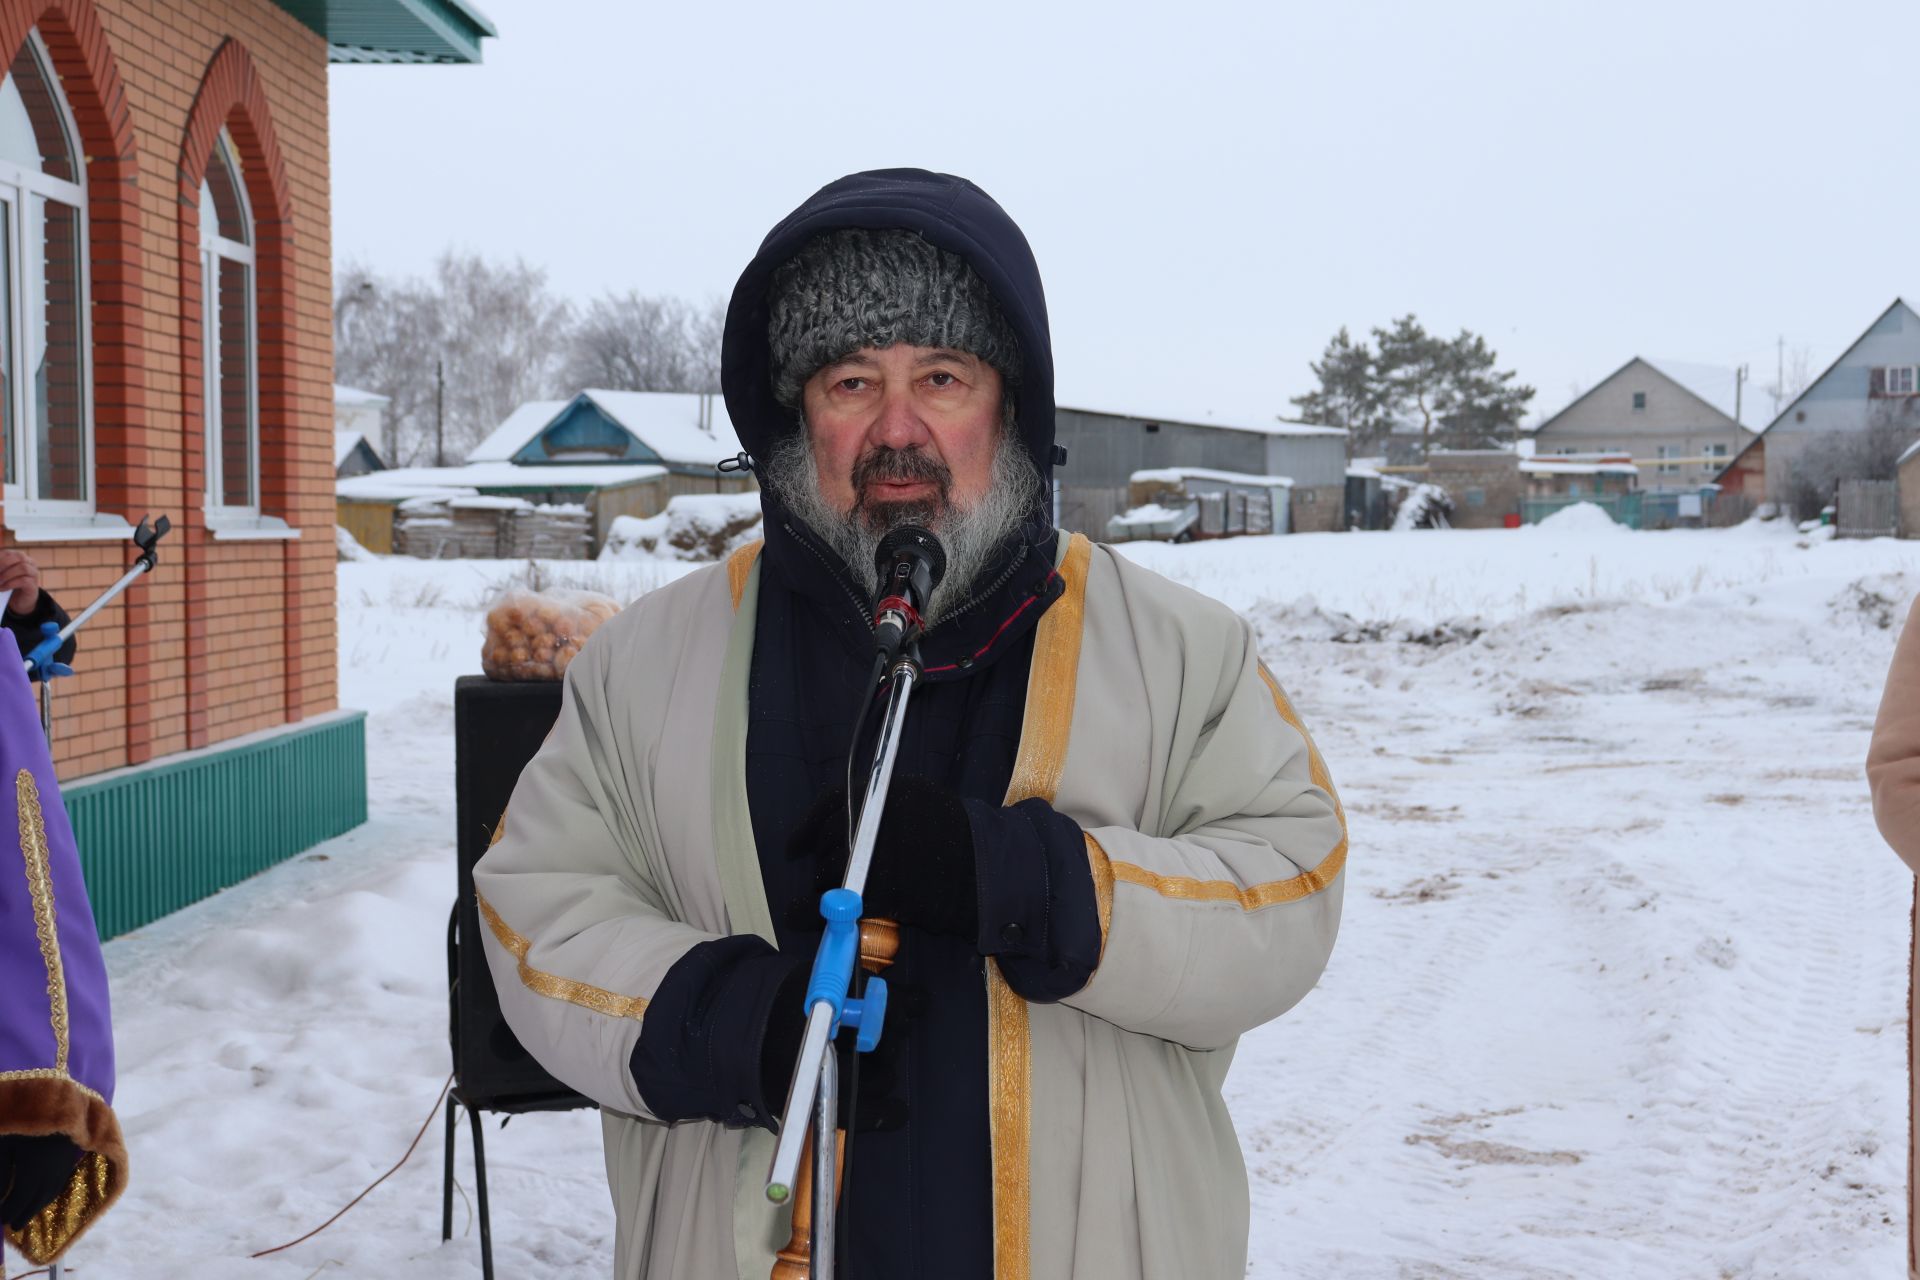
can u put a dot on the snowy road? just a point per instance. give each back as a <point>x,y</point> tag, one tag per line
<point>1620,990</point>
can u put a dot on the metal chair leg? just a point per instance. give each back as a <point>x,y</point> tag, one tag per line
<point>480,1183</point>
<point>446,1175</point>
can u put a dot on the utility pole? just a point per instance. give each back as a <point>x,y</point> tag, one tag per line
<point>439,413</point>
<point>1780,379</point>
<point>1739,384</point>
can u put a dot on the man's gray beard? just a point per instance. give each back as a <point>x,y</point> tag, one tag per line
<point>971,536</point>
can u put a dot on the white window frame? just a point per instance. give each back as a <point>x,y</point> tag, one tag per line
<point>1910,378</point>
<point>18,186</point>
<point>1665,451</point>
<point>215,247</point>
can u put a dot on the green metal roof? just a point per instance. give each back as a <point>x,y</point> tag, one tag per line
<point>395,30</point>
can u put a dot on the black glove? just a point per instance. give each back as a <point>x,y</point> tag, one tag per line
<point>880,1071</point>
<point>33,1173</point>
<point>922,872</point>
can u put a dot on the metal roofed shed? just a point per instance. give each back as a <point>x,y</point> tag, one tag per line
<point>1106,449</point>
<point>1179,504</point>
<point>395,31</point>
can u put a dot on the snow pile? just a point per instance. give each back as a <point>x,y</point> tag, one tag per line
<point>694,527</point>
<point>347,547</point>
<point>1427,507</point>
<point>1581,517</point>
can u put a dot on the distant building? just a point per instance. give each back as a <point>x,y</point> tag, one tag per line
<point>364,414</point>
<point>1492,488</point>
<point>688,434</point>
<point>1875,384</point>
<point>1105,449</point>
<point>614,453</point>
<point>353,455</point>
<point>1676,421</point>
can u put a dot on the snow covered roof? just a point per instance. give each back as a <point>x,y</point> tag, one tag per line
<point>1715,384</point>
<point>344,443</point>
<point>491,475</point>
<point>667,422</point>
<point>522,425</point>
<point>354,397</point>
<point>1174,475</point>
<point>1910,451</point>
<point>1206,419</point>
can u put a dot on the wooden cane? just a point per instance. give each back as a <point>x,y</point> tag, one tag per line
<point>879,944</point>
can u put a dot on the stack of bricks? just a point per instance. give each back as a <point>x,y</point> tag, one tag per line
<point>227,637</point>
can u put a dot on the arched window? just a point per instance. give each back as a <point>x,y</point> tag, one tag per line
<point>228,338</point>
<point>45,392</point>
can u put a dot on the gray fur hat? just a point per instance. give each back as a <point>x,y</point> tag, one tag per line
<point>855,288</point>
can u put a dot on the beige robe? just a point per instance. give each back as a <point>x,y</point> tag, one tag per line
<point>1216,845</point>
<point>1893,771</point>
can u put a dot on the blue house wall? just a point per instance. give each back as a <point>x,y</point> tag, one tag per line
<point>581,432</point>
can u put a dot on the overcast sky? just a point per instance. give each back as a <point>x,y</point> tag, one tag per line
<point>1211,189</point>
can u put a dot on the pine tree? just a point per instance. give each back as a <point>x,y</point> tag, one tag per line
<point>1450,390</point>
<point>1349,394</point>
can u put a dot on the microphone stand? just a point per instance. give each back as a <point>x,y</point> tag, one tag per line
<point>816,1079</point>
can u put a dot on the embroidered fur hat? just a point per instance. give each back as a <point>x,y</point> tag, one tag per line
<point>855,288</point>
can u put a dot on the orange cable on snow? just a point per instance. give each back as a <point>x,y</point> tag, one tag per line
<point>376,1182</point>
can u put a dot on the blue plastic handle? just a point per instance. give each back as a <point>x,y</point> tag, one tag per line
<point>868,1015</point>
<point>833,973</point>
<point>41,655</point>
<point>833,962</point>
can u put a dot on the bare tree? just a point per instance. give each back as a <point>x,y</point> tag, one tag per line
<point>494,332</point>
<point>501,338</point>
<point>1796,375</point>
<point>632,342</point>
<point>1871,453</point>
<point>511,336</point>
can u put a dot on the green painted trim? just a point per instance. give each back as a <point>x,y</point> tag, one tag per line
<point>411,31</point>
<point>159,837</point>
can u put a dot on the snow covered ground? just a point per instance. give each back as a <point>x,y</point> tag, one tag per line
<point>1620,990</point>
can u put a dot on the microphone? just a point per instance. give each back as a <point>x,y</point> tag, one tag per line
<point>910,562</point>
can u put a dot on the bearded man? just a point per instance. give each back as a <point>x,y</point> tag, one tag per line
<point>1110,846</point>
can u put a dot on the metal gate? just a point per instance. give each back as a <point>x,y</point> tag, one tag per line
<point>1868,509</point>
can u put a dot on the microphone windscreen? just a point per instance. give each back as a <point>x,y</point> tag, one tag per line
<point>912,540</point>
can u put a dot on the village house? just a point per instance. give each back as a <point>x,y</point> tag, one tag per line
<point>1680,423</point>
<point>608,453</point>
<point>164,216</point>
<point>1873,388</point>
<point>359,431</point>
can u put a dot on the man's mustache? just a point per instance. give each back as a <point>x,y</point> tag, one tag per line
<point>887,464</point>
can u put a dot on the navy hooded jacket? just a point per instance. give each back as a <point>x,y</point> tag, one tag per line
<point>920,1197</point>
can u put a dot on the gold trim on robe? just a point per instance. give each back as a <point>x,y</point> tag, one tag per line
<point>1036,775</point>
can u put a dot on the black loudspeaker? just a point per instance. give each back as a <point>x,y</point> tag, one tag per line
<point>497,728</point>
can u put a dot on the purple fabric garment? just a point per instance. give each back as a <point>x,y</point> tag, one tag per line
<point>28,1038</point>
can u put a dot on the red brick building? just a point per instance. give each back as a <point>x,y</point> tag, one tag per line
<point>167,347</point>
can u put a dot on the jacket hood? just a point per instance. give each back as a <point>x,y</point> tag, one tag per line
<point>946,211</point>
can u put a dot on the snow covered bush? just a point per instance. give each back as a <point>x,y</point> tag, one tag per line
<point>1427,507</point>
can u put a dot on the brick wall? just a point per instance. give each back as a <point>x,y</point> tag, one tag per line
<point>1493,478</point>
<point>1318,508</point>
<point>227,637</point>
